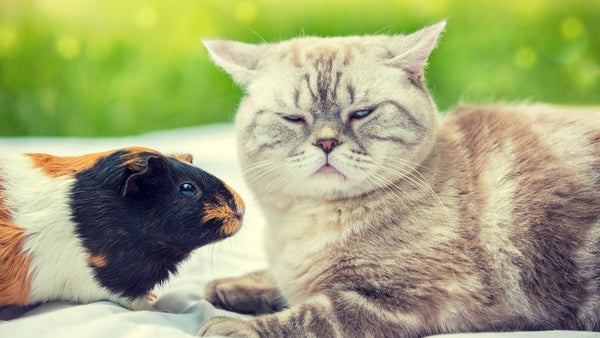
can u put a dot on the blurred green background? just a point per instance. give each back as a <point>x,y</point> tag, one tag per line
<point>108,67</point>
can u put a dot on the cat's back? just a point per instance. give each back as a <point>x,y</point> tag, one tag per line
<point>559,140</point>
<point>535,196</point>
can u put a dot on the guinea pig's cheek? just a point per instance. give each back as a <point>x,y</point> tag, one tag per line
<point>237,199</point>
<point>230,227</point>
<point>230,224</point>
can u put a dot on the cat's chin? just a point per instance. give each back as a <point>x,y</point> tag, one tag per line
<point>329,172</point>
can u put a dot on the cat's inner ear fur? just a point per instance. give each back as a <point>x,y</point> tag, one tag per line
<point>238,59</point>
<point>412,51</point>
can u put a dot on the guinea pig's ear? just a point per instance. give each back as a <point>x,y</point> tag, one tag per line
<point>136,183</point>
<point>183,157</point>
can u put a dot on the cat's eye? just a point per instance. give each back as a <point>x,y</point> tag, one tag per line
<point>294,119</point>
<point>359,114</point>
<point>187,189</point>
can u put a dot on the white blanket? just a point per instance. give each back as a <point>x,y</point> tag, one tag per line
<point>181,309</point>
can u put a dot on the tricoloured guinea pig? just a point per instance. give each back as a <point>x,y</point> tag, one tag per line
<point>107,226</point>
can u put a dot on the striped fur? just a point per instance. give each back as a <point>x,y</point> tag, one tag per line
<point>65,225</point>
<point>387,220</point>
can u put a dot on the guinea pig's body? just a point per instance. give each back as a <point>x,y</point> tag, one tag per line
<point>108,226</point>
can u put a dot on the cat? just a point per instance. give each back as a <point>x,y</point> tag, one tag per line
<point>385,218</point>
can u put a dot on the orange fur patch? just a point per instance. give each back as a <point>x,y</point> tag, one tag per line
<point>56,166</point>
<point>183,157</point>
<point>14,264</point>
<point>239,202</point>
<point>224,213</point>
<point>133,160</point>
<point>97,261</point>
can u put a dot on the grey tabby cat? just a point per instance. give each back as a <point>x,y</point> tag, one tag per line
<point>385,219</point>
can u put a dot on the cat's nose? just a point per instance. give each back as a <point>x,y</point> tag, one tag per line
<point>327,144</point>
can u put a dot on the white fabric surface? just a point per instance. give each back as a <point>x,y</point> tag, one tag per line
<point>180,300</point>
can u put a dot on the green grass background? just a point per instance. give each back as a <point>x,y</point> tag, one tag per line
<point>108,67</point>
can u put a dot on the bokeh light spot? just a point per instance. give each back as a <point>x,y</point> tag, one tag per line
<point>245,12</point>
<point>587,75</point>
<point>146,17</point>
<point>525,58</point>
<point>435,7</point>
<point>571,28</point>
<point>530,7</point>
<point>68,47</point>
<point>8,38</point>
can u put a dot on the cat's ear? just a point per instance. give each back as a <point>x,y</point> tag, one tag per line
<point>414,49</point>
<point>238,59</point>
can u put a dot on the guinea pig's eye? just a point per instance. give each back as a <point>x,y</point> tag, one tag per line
<point>187,189</point>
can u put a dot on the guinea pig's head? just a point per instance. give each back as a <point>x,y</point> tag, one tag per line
<point>159,204</point>
<point>180,204</point>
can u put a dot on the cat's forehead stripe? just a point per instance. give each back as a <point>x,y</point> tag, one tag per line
<point>311,49</point>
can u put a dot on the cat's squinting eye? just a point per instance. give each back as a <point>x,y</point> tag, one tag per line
<point>294,118</point>
<point>359,114</point>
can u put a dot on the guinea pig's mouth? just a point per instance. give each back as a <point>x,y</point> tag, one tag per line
<point>231,220</point>
<point>232,225</point>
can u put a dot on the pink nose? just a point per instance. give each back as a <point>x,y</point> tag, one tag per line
<point>327,144</point>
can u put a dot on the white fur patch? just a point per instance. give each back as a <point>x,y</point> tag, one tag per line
<point>40,205</point>
<point>497,225</point>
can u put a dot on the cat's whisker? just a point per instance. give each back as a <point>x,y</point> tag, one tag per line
<point>256,172</point>
<point>383,184</point>
<point>421,179</point>
<point>402,174</point>
<point>259,165</point>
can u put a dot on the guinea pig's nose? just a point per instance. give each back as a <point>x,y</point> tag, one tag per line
<point>239,215</point>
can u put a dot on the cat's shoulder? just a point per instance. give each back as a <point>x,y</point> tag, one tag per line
<point>485,128</point>
<point>510,116</point>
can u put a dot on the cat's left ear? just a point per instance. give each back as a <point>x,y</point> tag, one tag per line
<point>238,59</point>
<point>413,50</point>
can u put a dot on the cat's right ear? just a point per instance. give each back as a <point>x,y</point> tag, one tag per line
<point>238,59</point>
<point>413,50</point>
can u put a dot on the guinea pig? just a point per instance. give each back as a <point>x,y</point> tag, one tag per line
<point>106,226</point>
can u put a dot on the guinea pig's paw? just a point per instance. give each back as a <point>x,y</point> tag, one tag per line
<point>139,304</point>
<point>151,296</point>
<point>228,327</point>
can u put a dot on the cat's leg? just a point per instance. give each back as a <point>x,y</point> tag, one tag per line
<point>310,318</point>
<point>254,293</point>
<point>322,316</point>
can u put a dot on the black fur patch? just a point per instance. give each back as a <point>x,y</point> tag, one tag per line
<point>144,236</point>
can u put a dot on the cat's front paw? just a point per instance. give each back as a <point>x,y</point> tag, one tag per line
<point>224,294</point>
<point>227,327</point>
<point>234,295</point>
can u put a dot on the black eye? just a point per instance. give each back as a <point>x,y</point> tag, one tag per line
<point>187,189</point>
<point>294,118</point>
<point>359,114</point>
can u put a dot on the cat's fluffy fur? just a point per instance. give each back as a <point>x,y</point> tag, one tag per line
<point>385,219</point>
